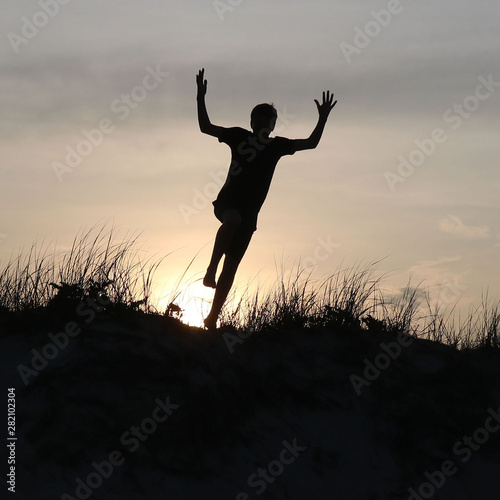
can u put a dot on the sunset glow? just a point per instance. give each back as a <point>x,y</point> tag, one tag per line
<point>98,124</point>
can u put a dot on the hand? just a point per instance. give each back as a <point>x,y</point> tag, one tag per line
<point>202,84</point>
<point>326,106</point>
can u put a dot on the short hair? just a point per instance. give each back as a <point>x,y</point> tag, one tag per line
<point>264,109</point>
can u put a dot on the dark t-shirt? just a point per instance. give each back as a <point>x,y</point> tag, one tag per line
<point>253,161</point>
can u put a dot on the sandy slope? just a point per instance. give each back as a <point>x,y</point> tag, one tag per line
<point>164,411</point>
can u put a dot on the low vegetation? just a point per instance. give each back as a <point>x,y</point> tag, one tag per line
<point>100,264</point>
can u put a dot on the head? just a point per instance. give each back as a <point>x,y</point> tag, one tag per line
<point>263,118</point>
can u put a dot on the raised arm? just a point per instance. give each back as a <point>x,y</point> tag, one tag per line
<point>204,121</point>
<point>323,110</point>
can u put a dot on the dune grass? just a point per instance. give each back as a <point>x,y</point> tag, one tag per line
<point>297,300</point>
<point>97,262</point>
<point>100,262</point>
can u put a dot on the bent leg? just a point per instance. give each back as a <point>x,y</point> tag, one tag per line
<point>231,219</point>
<point>237,249</point>
<point>224,284</point>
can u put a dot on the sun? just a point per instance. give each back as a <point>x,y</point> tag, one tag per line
<point>194,302</point>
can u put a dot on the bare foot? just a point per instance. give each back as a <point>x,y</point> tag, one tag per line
<point>209,279</point>
<point>210,323</point>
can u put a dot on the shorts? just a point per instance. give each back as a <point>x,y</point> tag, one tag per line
<point>242,236</point>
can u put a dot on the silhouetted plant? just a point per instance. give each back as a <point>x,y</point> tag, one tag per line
<point>97,263</point>
<point>173,311</point>
<point>100,265</point>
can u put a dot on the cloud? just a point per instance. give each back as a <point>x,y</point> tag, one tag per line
<point>455,226</point>
<point>435,271</point>
<point>444,280</point>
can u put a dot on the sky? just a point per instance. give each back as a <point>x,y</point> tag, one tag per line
<point>99,123</point>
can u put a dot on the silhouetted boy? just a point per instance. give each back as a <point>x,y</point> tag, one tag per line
<point>254,158</point>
